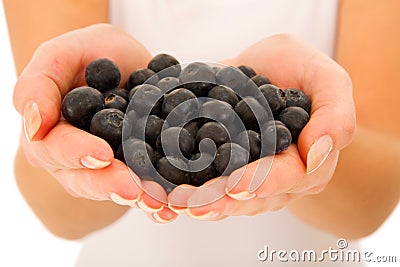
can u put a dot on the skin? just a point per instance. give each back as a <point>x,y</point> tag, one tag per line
<point>351,187</point>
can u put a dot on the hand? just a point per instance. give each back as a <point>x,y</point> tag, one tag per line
<point>83,163</point>
<point>305,168</point>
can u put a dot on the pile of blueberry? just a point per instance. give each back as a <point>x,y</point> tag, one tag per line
<point>178,124</point>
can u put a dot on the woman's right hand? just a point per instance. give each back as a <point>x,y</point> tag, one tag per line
<point>81,162</point>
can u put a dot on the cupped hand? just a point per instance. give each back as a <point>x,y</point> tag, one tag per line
<point>271,183</point>
<point>83,163</point>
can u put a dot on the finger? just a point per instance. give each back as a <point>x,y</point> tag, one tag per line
<point>66,147</point>
<point>260,179</point>
<point>209,202</point>
<point>100,184</point>
<point>178,198</point>
<point>154,197</point>
<point>164,216</point>
<point>58,66</point>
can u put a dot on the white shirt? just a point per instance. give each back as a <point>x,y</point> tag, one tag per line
<point>211,31</point>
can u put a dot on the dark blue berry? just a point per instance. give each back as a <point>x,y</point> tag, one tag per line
<point>225,94</point>
<point>297,98</point>
<point>139,156</point>
<point>217,110</point>
<point>251,141</point>
<point>202,169</point>
<point>130,121</point>
<point>80,104</point>
<point>151,126</point>
<point>179,106</point>
<point>147,99</point>
<point>295,118</point>
<point>107,124</point>
<point>229,157</point>
<point>275,139</point>
<point>175,141</point>
<point>168,84</point>
<point>233,78</point>
<point>140,76</point>
<point>275,98</point>
<point>102,74</point>
<point>115,101</point>
<point>247,70</point>
<point>198,77</point>
<point>118,91</point>
<point>192,127</point>
<point>165,66</point>
<point>252,113</point>
<point>260,80</point>
<point>173,169</point>
<point>214,131</point>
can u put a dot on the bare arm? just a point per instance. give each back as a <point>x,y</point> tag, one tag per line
<point>366,185</point>
<point>29,26</point>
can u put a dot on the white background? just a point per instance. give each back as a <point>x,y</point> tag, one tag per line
<point>23,239</point>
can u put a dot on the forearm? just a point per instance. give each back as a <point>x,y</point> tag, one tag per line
<point>363,191</point>
<point>32,22</point>
<point>62,214</point>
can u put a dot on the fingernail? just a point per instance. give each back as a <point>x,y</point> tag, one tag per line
<point>245,195</point>
<point>32,120</point>
<point>123,201</point>
<point>93,163</point>
<point>146,208</point>
<point>177,210</point>
<point>206,216</point>
<point>157,217</point>
<point>318,153</point>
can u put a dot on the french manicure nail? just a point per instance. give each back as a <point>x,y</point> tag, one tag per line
<point>245,195</point>
<point>146,208</point>
<point>32,120</point>
<point>93,163</point>
<point>318,153</point>
<point>157,217</point>
<point>123,201</point>
<point>206,216</point>
<point>177,210</point>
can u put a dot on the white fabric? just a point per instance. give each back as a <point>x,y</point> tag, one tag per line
<point>210,31</point>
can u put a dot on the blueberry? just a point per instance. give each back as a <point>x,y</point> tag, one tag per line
<point>165,66</point>
<point>118,91</point>
<point>295,118</point>
<point>140,76</point>
<point>192,127</point>
<point>247,70</point>
<point>102,74</point>
<point>225,94</point>
<point>260,80</point>
<point>233,78</point>
<point>80,104</point>
<point>199,175</point>
<point>297,98</point>
<point>216,69</point>
<point>230,156</point>
<point>275,139</point>
<point>115,101</point>
<point>180,105</point>
<point>174,141</point>
<point>273,122</point>
<point>252,113</point>
<point>217,110</point>
<point>152,126</point>
<point>147,99</point>
<point>107,124</point>
<point>167,84</point>
<point>215,131</point>
<point>198,77</point>
<point>166,167</point>
<point>130,121</point>
<point>139,156</point>
<point>250,140</point>
<point>275,98</point>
